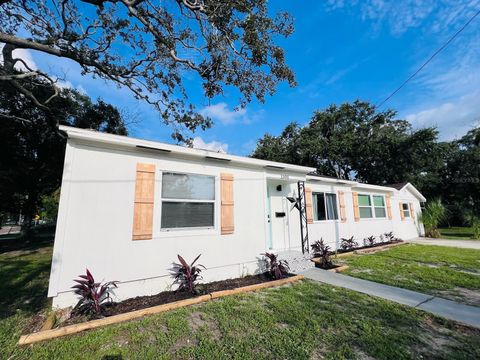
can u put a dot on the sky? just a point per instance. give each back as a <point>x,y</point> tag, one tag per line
<point>340,51</point>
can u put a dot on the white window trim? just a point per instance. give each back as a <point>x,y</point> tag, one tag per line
<point>325,203</point>
<point>406,213</point>
<point>372,207</point>
<point>160,232</point>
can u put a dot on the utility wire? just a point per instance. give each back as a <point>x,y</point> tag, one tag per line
<point>429,59</point>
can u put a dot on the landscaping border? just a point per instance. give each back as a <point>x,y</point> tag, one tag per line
<point>93,324</point>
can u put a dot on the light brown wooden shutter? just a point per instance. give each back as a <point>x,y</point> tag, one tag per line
<point>402,215</point>
<point>389,206</point>
<point>412,211</point>
<point>341,200</point>
<point>143,205</point>
<point>356,210</point>
<point>227,214</point>
<point>308,205</point>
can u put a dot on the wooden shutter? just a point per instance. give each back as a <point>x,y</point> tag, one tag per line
<point>356,210</point>
<point>227,215</point>
<point>402,215</point>
<point>412,211</point>
<point>143,205</point>
<point>308,205</point>
<point>341,200</point>
<point>389,206</point>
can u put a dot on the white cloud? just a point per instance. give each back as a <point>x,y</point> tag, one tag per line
<point>221,112</point>
<point>217,146</point>
<point>453,119</point>
<point>23,54</point>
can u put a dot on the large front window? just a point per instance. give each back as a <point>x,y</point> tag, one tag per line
<point>187,200</point>
<point>371,206</point>
<point>325,206</point>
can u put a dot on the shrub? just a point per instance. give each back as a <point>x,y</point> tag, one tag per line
<point>433,214</point>
<point>476,228</point>
<point>278,269</point>
<point>391,237</point>
<point>348,244</point>
<point>93,296</point>
<point>369,241</point>
<point>187,276</point>
<point>321,250</point>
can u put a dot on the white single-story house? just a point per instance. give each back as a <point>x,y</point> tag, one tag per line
<point>129,206</point>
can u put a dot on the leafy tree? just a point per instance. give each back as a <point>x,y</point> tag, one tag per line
<point>434,213</point>
<point>150,47</point>
<point>32,151</point>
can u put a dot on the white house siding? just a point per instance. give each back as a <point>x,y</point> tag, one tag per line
<point>331,231</point>
<point>96,217</point>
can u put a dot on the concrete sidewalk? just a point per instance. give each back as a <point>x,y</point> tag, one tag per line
<point>466,244</point>
<point>446,308</point>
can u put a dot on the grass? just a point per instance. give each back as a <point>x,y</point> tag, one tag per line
<point>301,321</point>
<point>442,271</point>
<point>457,233</point>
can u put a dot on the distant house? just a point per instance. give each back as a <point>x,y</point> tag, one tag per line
<point>129,206</point>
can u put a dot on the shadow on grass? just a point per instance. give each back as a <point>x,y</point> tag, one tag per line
<point>34,239</point>
<point>24,269</point>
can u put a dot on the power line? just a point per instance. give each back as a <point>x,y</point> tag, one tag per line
<point>430,59</point>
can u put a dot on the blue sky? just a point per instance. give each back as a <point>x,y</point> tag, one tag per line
<point>340,51</point>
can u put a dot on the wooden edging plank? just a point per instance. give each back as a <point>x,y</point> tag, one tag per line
<point>93,324</point>
<point>378,248</point>
<point>339,269</point>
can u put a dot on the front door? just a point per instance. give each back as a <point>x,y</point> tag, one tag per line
<point>278,216</point>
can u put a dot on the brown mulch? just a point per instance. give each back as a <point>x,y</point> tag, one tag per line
<point>165,297</point>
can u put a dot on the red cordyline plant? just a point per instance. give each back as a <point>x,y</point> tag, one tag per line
<point>93,295</point>
<point>278,269</point>
<point>187,276</point>
<point>348,243</point>
<point>322,250</point>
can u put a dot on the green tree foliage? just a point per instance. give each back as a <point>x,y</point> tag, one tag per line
<point>32,152</point>
<point>433,214</point>
<point>355,141</point>
<point>49,206</point>
<point>150,48</point>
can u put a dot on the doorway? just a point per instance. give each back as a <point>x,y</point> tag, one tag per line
<point>278,215</point>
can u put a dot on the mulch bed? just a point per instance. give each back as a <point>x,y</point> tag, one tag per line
<point>340,251</point>
<point>165,297</point>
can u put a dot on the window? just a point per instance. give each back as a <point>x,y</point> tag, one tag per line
<point>325,206</point>
<point>187,200</point>
<point>371,206</point>
<point>406,210</point>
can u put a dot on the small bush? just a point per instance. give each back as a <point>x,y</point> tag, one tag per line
<point>434,213</point>
<point>93,296</point>
<point>390,237</point>
<point>278,269</point>
<point>348,244</point>
<point>321,250</point>
<point>476,228</point>
<point>369,241</point>
<point>187,276</point>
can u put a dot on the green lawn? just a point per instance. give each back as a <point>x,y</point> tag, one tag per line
<point>301,321</point>
<point>447,272</point>
<point>457,233</point>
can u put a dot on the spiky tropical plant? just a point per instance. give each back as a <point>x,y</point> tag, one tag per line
<point>369,241</point>
<point>278,269</point>
<point>434,213</point>
<point>93,295</point>
<point>348,243</point>
<point>475,222</point>
<point>322,251</point>
<point>186,276</point>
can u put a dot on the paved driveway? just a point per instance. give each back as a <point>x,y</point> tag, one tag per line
<point>467,244</point>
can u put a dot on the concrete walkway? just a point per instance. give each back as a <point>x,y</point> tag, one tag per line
<point>446,308</point>
<point>467,244</point>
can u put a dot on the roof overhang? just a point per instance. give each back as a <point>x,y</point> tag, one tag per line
<point>414,191</point>
<point>139,145</point>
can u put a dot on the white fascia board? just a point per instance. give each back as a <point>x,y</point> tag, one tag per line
<point>321,179</point>
<point>133,143</point>
<point>415,192</point>
<point>374,187</point>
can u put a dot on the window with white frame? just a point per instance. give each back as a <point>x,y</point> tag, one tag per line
<point>406,210</point>
<point>325,206</point>
<point>371,206</point>
<point>188,201</point>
